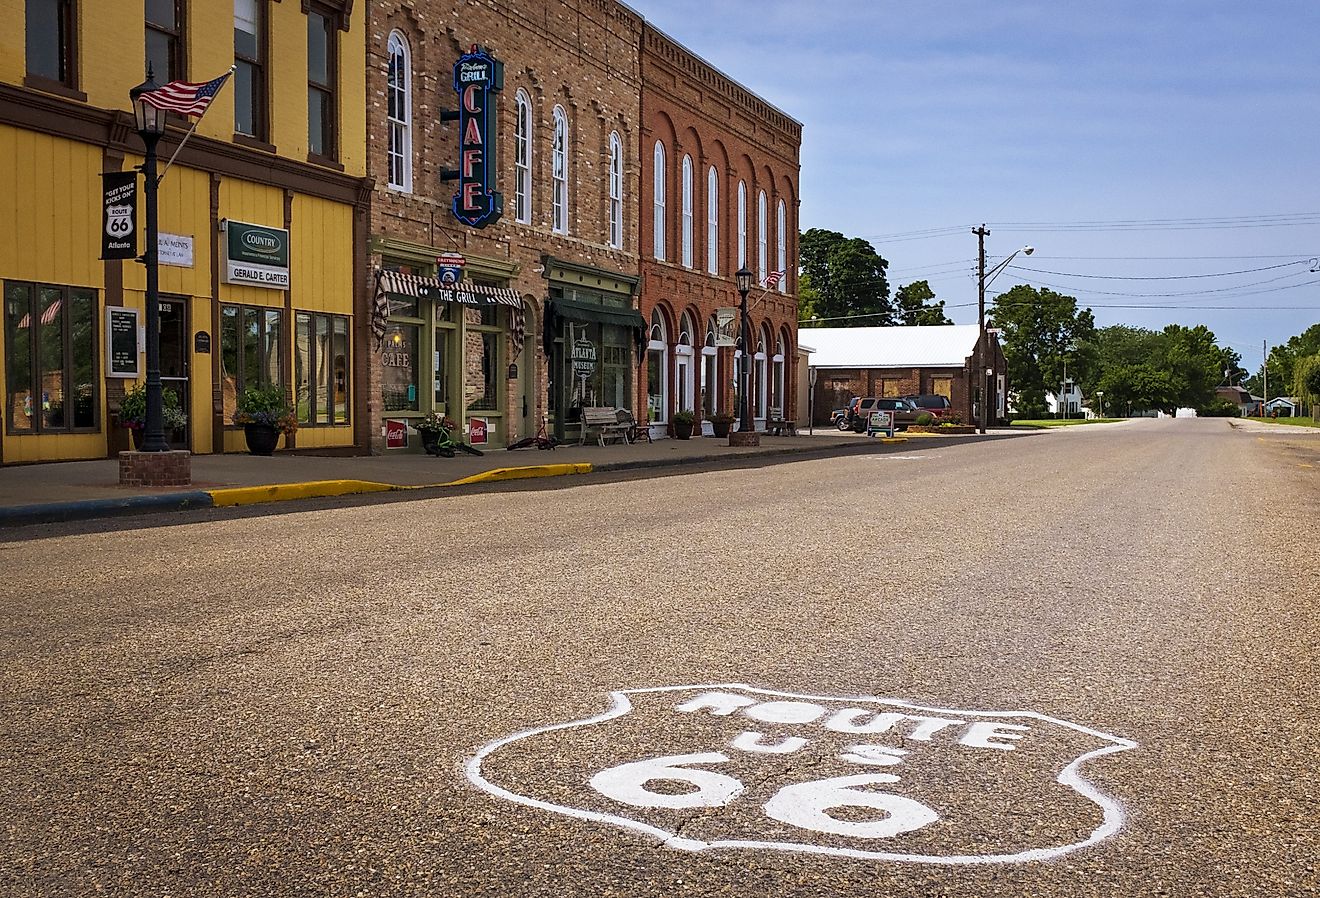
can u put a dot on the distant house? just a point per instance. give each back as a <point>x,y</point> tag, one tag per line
<point>1282,407</point>
<point>1071,401</point>
<point>1247,404</point>
<point>902,361</point>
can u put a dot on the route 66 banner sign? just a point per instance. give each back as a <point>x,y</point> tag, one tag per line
<point>119,221</point>
<point>731,767</point>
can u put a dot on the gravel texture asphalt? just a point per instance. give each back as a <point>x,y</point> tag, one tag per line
<point>315,703</point>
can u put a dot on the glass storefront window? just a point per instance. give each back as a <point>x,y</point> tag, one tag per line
<point>321,368</point>
<point>399,382</point>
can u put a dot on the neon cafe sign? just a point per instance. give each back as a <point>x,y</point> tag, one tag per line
<point>477,77</point>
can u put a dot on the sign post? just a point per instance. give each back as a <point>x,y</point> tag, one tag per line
<point>880,422</point>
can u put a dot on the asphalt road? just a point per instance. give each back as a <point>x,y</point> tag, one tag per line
<point>1096,649</point>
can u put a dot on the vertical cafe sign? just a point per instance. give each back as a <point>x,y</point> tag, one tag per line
<point>478,76</point>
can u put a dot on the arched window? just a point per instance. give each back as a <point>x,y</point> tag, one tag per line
<point>712,221</point>
<point>398,96</point>
<point>685,375</point>
<point>759,390</point>
<point>687,211</point>
<point>616,190</point>
<point>522,158</point>
<point>782,242</point>
<point>742,224</point>
<point>777,379</point>
<point>559,173</point>
<point>710,368</point>
<point>657,369</point>
<point>762,258</point>
<point>658,222</point>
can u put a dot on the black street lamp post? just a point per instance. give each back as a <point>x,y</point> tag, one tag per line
<point>151,127</point>
<point>744,279</point>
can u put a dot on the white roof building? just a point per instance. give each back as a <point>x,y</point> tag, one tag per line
<point>944,346</point>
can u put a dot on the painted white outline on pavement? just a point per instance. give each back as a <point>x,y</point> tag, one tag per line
<point>1113,821</point>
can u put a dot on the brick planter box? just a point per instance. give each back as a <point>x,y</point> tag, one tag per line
<point>741,438</point>
<point>155,468</point>
<point>952,429</point>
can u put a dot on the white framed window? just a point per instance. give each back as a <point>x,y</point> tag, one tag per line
<point>762,257</point>
<point>616,190</point>
<point>777,379</point>
<point>742,224</point>
<point>657,369</point>
<point>782,245</point>
<point>658,212</point>
<point>687,211</point>
<point>760,389</point>
<point>710,373</point>
<point>522,158</point>
<point>398,95</point>
<point>685,375</point>
<point>559,173</point>
<point>712,221</point>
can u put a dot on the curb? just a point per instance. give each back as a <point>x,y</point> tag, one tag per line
<point>85,509</point>
<point>312,489</point>
<point>522,473</point>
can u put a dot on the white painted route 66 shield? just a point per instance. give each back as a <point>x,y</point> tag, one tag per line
<point>734,767</point>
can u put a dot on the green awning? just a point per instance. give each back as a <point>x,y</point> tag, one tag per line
<point>574,310</point>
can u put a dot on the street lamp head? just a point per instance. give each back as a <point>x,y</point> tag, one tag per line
<point>1028,249</point>
<point>150,120</point>
<point>744,280</point>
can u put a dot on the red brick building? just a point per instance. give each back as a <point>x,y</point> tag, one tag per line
<point>559,139</point>
<point>719,189</point>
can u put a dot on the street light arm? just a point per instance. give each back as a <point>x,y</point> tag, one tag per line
<point>995,272</point>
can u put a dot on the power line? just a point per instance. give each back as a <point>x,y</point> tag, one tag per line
<point>1187,292</point>
<point>1159,277</point>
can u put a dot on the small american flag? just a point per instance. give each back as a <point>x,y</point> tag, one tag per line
<point>185,97</point>
<point>772,280</point>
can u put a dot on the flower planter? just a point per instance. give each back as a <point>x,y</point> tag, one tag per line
<point>430,440</point>
<point>683,431</point>
<point>261,438</point>
<point>721,428</point>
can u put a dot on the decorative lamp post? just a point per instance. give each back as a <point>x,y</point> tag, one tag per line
<point>744,280</point>
<point>983,280</point>
<point>151,127</point>
<point>1100,395</point>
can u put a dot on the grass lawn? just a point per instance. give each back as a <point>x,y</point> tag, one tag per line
<point>1063,422</point>
<point>1295,422</point>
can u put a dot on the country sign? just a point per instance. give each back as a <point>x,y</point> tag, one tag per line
<point>735,768</point>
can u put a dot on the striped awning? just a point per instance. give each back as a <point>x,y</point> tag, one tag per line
<point>419,287</point>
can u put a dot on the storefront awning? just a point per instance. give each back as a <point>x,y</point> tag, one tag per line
<point>430,288</point>
<point>419,287</point>
<point>588,311</point>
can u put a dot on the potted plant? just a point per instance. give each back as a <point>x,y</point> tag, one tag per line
<point>684,421</point>
<point>431,427</point>
<point>721,423</point>
<point>264,414</point>
<point>133,412</point>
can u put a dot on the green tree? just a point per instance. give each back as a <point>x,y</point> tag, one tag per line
<point>1283,358</point>
<point>848,277</point>
<point>1306,381</point>
<point>807,299</point>
<point>915,305</point>
<point>1195,363</point>
<point>1043,332</point>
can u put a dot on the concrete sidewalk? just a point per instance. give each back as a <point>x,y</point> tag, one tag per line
<point>67,491</point>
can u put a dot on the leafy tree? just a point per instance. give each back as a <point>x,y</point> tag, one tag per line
<point>807,299</point>
<point>1043,332</point>
<point>1195,362</point>
<point>1306,381</point>
<point>1283,358</point>
<point>916,306</point>
<point>848,278</point>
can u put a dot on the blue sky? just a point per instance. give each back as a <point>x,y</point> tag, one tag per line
<point>924,116</point>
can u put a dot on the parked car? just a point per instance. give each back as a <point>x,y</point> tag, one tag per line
<point>937,405</point>
<point>905,413</point>
<point>839,418</point>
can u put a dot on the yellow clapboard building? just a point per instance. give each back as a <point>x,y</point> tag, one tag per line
<point>278,160</point>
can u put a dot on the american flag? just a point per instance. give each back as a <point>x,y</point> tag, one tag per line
<point>772,279</point>
<point>185,97</point>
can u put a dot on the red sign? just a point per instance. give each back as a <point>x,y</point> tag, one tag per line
<point>396,434</point>
<point>477,431</point>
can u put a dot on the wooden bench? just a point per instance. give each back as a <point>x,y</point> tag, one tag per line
<point>634,431</point>
<point>604,420</point>
<point>776,422</point>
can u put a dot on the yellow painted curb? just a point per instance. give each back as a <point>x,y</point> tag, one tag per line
<point>523,473</point>
<point>893,439</point>
<point>315,489</point>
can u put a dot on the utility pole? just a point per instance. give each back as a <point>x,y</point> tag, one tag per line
<point>1264,375</point>
<point>981,233</point>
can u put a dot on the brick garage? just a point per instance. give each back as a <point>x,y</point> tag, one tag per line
<point>901,361</point>
<point>694,112</point>
<point>578,55</point>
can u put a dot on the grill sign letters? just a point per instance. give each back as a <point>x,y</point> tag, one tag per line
<point>477,77</point>
<point>734,768</point>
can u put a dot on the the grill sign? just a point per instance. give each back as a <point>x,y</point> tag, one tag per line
<point>478,76</point>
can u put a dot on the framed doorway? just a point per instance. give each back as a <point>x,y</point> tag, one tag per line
<point>175,351</point>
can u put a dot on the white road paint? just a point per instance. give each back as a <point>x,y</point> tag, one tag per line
<point>805,806</point>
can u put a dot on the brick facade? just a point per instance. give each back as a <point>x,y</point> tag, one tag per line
<point>694,111</point>
<point>579,55</point>
<point>155,468</point>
